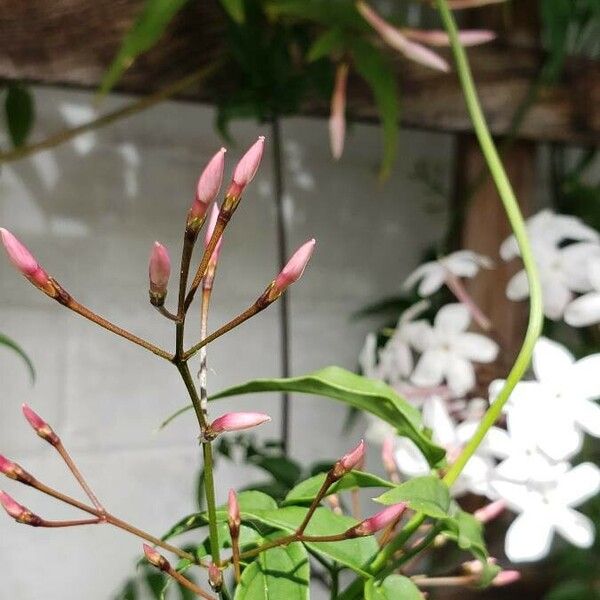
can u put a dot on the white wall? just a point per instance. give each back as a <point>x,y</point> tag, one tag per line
<point>90,212</point>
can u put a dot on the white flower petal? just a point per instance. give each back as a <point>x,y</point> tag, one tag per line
<point>583,380</point>
<point>509,248</point>
<point>577,485</point>
<point>587,416</point>
<point>460,375</point>
<point>594,273</point>
<point>452,318</point>
<point>412,312</point>
<point>524,391</point>
<point>475,347</point>
<point>574,527</point>
<point>529,537</point>
<point>556,297</point>
<point>515,469</point>
<point>575,259</point>
<point>584,311</point>
<point>419,334</point>
<point>430,368</point>
<point>367,358</point>
<point>518,287</point>
<point>409,459</point>
<point>432,282</point>
<point>420,272</point>
<point>438,419</point>
<point>497,442</point>
<point>551,361</point>
<point>558,438</point>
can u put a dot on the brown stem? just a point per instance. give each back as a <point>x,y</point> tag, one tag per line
<point>203,375</point>
<point>329,479</point>
<point>44,523</point>
<point>77,474</point>
<point>91,316</point>
<point>139,105</point>
<point>185,582</point>
<point>424,581</point>
<point>167,313</point>
<point>235,556</point>
<point>184,370</point>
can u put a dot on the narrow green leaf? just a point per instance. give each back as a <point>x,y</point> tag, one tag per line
<point>426,494</point>
<point>146,31</point>
<point>235,9</point>
<point>19,113</point>
<point>305,491</point>
<point>9,343</point>
<point>393,587</point>
<point>330,41</point>
<point>279,573</point>
<point>374,68</point>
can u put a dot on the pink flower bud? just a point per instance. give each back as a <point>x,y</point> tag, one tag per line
<point>208,187</point>
<point>25,262</point>
<point>294,269</point>
<point>397,40</point>
<point>41,427</point>
<point>337,119</point>
<point>506,578</point>
<point>472,37</point>
<point>387,454</point>
<point>233,511</point>
<point>18,512</point>
<point>379,521</point>
<point>349,461</point>
<point>159,272</point>
<point>490,511</point>
<point>14,471</point>
<point>246,169</point>
<point>237,421</point>
<point>156,559</point>
<point>209,277</point>
<point>215,577</point>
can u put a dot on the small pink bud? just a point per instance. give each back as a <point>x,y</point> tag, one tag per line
<point>350,461</point>
<point>337,118</point>
<point>387,454</point>
<point>490,511</point>
<point>25,262</point>
<point>397,40</point>
<point>233,511</point>
<point>17,511</point>
<point>156,559</point>
<point>215,577</point>
<point>472,37</point>
<point>506,578</point>
<point>159,272</point>
<point>294,269</point>
<point>14,471</point>
<point>237,421</point>
<point>208,187</point>
<point>246,169</point>
<point>379,521</point>
<point>41,427</point>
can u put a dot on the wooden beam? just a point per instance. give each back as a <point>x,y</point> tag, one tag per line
<point>71,42</point>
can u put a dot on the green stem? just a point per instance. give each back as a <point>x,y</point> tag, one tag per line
<point>515,218</point>
<point>211,504</point>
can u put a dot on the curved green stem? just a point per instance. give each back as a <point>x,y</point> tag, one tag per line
<point>515,218</point>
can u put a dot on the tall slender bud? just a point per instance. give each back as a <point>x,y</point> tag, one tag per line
<point>159,272</point>
<point>467,37</point>
<point>238,421</point>
<point>245,170</point>
<point>349,461</point>
<point>233,512</point>
<point>490,511</point>
<point>18,512</point>
<point>14,471</point>
<point>156,559</point>
<point>40,426</point>
<point>337,117</point>
<point>27,264</point>
<point>207,189</point>
<point>292,271</point>
<point>378,521</point>
<point>208,280</point>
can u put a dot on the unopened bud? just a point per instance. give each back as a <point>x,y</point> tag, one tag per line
<point>156,559</point>
<point>237,421</point>
<point>27,264</point>
<point>207,282</point>
<point>233,513</point>
<point>337,117</point>
<point>378,521</point>
<point>246,169</point>
<point>40,426</point>
<point>506,578</point>
<point>387,455</point>
<point>490,511</point>
<point>207,189</point>
<point>215,577</point>
<point>292,271</point>
<point>349,461</point>
<point>18,512</point>
<point>14,471</point>
<point>159,272</point>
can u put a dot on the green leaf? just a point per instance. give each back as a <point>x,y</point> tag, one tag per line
<point>427,494</point>
<point>393,587</point>
<point>235,9</point>
<point>19,113</point>
<point>365,394</point>
<point>278,573</point>
<point>305,491</point>
<point>6,341</point>
<point>374,68</point>
<point>327,43</point>
<point>326,12</point>
<point>283,469</point>
<point>146,31</point>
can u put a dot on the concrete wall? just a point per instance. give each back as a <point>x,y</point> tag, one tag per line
<point>90,212</point>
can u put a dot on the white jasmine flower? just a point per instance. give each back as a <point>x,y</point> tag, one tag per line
<point>432,275</point>
<point>560,403</point>
<point>546,508</point>
<point>448,350</point>
<point>367,359</point>
<point>585,310</point>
